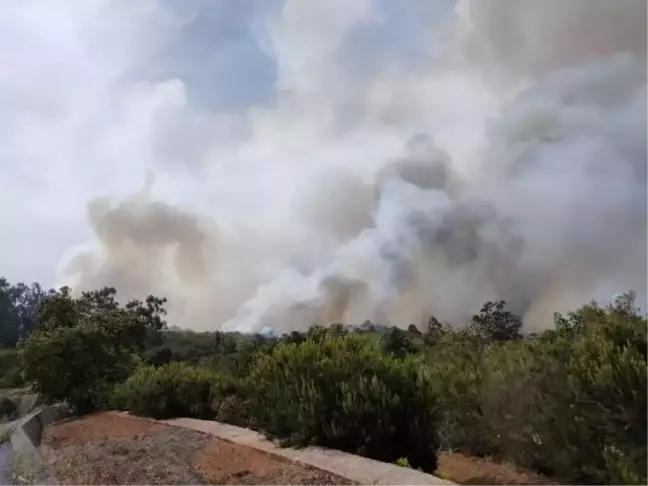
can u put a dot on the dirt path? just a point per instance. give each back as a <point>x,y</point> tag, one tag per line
<point>110,449</point>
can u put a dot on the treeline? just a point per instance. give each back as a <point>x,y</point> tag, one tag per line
<point>569,402</point>
<point>18,307</point>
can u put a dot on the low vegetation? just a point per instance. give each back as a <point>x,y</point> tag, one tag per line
<point>10,369</point>
<point>172,390</point>
<point>569,402</point>
<point>342,393</point>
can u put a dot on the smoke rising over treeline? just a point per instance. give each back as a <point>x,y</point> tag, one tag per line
<point>507,161</point>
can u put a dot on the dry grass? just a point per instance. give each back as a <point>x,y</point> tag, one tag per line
<point>110,449</point>
<point>473,470</point>
<point>161,455</point>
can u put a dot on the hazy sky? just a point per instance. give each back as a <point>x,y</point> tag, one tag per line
<point>96,92</point>
<point>290,161</point>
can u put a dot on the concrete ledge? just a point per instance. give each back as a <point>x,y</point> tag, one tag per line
<point>29,403</point>
<point>27,462</point>
<point>356,468</point>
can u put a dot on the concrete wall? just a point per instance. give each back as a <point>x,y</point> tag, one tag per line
<point>29,402</point>
<point>361,470</point>
<point>27,462</point>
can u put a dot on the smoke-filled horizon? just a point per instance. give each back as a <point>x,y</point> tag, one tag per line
<point>332,161</point>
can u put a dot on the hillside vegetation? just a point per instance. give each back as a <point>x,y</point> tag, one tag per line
<point>569,402</point>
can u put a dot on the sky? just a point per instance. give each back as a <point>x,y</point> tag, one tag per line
<point>91,90</point>
<point>249,159</point>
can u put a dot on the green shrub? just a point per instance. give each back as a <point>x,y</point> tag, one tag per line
<point>524,399</point>
<point>12,378</point>
<point>397,342</point>
<point>341,392</point>
<point>571,403</point>
<point>76,364</point>
<point>230,400</point>
<point>456,365</point>
<point>232,409</point>
<point>586,419</point>
<point>84,345</point>
<point>158,355</point>
<point>607,378</point>
<point>172,390</point>
<point>10,369</point>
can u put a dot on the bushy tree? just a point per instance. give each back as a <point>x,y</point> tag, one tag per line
<point>433,331</point>
<point>294,337</point>
<point>337,330</point>
<point>396,342</point>
<point>316,333</point>
<point>134,325</point>
<point>76,364</point>
<point>18,307</point>
<point>412,329</point>
<point>158,355</point>
<point>494,323</point>
<point>84,345</point>
<point>10,369</point>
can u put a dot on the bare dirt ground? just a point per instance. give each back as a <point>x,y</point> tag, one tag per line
<point>109,449</point>
<point>474,470</point>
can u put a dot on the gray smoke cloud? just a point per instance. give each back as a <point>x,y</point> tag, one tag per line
<point>511,166</point>
<point>529,39</point>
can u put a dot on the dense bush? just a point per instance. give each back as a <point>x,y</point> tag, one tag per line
<point>18,305</point>
<point>457,370</point>
<point>521,399</point>
<point>607,386</point>
<point>178,390</point>
<point>589,389</point>
<point>570,403</point>
<point>85,345</point>
<point>76,364</point>
<point>397,342</point>
<point>173,390</point>
<point>495,323</point>
<point>10,369</point>
<point>342,393</point>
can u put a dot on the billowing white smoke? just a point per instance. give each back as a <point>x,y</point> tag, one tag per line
<point>390,204</point>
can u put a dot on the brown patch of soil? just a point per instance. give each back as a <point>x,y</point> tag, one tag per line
<point>475,470</point>
<point>228,462</point>
<point>113,449</point>
<point>96,427</point>
<point>161,455</point>
<point>222,462</point>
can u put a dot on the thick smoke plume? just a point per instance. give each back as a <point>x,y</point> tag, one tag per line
<point>511,165</point>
